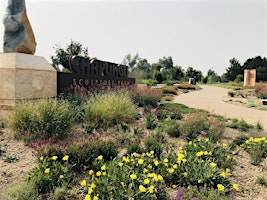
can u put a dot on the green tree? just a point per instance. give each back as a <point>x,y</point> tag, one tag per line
<point>145,66</point>
<point>177,73</point>
<point>260,64</point>
<point>131,61</point>
<point>166,63</point>
<point>212,76</point>
<point>62,55</point>
<point>193,73</point>
<point>234,69</point>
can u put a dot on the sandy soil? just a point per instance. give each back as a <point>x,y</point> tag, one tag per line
<point>11,173</point>
<point>211,99</point>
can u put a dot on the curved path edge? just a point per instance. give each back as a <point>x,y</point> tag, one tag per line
<point>210,98</point>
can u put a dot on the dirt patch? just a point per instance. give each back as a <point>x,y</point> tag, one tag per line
<point>15,162</point>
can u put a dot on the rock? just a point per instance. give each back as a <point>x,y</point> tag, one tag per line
<point>18,35</point>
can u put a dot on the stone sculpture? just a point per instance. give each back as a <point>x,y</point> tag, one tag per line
<point>18,35</point>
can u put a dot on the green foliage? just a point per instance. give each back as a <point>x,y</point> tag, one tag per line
<point>150,121</point>
<point>124,179</point>
<point>110,108</point>
<point>234,69</point>
<point>11,159</point>
<point>162,114</point>
<point>62,55</point>
<point>41,119</point>
<point>241,139</point>
<point>263,95</point>
<point>240,125</point>
<point>159,77</point>
<point>257,149</point>
<point>261,180</point>
<point>134,148</point>
<point>258,63</point>
<point>152,144</point>
<point>52,172</point>
<point>24,190</point>
<point>239,78</point>
<point>2,124</point>
<point>178,108</point>
<point>149,82</point>
<point>193,124</point>
<point>171,127</point>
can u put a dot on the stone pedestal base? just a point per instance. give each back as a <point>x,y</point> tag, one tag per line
<point>24,77</point>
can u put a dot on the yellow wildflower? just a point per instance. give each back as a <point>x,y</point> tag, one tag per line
<point>83,183</point>
<point>93,185</point>
<point>152,152</point>
<point>185,174</point>
<point>103,168</point>
<point>100,157</point>
<point>235,186</point>
<point>54,157</point>
<point>95,198</point>
<point>174,186</point>
<point>224,145</point>
<point>220,187</point>
<point>133,176</point>
<point>150,166</point>
<point>223,174</point>
<point>166,160</point>
<point>140,161</point>
<point>65,158</point>
<point>199,180</point>
<point>206,153</point>
<point>98,173</point>
<point>212,164</point>
<point>91,172</point>
<point>87,197</point>
<point>90,190</point>
<point>200,153</point>
<point>41,158</point>
<point>156,163</point>
<point>61,176</point>
<point>142,188</point>
<point>151,189</point>
<point>160,178</point>
<point>104,173</point>
<point>122,184</point>
<point>146,181</point>
<point>120,164</point>
<point>47,170</point>
<point>171,170</point>
<point>180,156</point>
<point>175,166</point>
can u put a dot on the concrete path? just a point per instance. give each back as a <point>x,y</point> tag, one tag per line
<point>210,98</point>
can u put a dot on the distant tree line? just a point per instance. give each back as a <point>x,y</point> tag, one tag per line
<point>165,71</point>
<point>236,70</point>
<point>162,71</point>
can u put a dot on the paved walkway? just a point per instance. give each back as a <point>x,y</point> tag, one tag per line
<point>211,99</point>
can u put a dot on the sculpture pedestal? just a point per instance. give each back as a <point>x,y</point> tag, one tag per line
<point>24,77</point>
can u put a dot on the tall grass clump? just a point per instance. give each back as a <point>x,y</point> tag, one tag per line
<point>146,97</point>
<point>41,119</point>
<point>110,108</point>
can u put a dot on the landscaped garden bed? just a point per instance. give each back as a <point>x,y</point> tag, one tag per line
<point>125,144</point>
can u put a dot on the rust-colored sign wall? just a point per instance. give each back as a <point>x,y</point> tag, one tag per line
<point>87,73</point>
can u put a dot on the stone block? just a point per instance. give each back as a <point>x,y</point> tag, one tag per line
<point>25,77</point>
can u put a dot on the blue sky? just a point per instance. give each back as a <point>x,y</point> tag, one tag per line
<point>202,34</point>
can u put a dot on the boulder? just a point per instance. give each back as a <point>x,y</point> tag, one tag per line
<point>18,35</point>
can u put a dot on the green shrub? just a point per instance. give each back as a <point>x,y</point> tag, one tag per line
<point>41,119</point>
<point>193,124</point>
<point>134,148</point>
<point>176,114</point>
<point>240,125</point>
<point>179,108</point>
<point>257,149</point>
<point>153,144</point>
<point>108,149</point>
<point>215,129</point>
<point>261,180</point>
<point>263,95</point>
<point>51,172</point>
<point>150,121</point>
<point>171,127</point>
<point>241,139</point>
<point>110,108</point>
<point>186,86</point>
<point>24,190</point>
<point>162,114</point>
<point>168,98</point>
<point>146,97</point>
<point>149,82</point>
